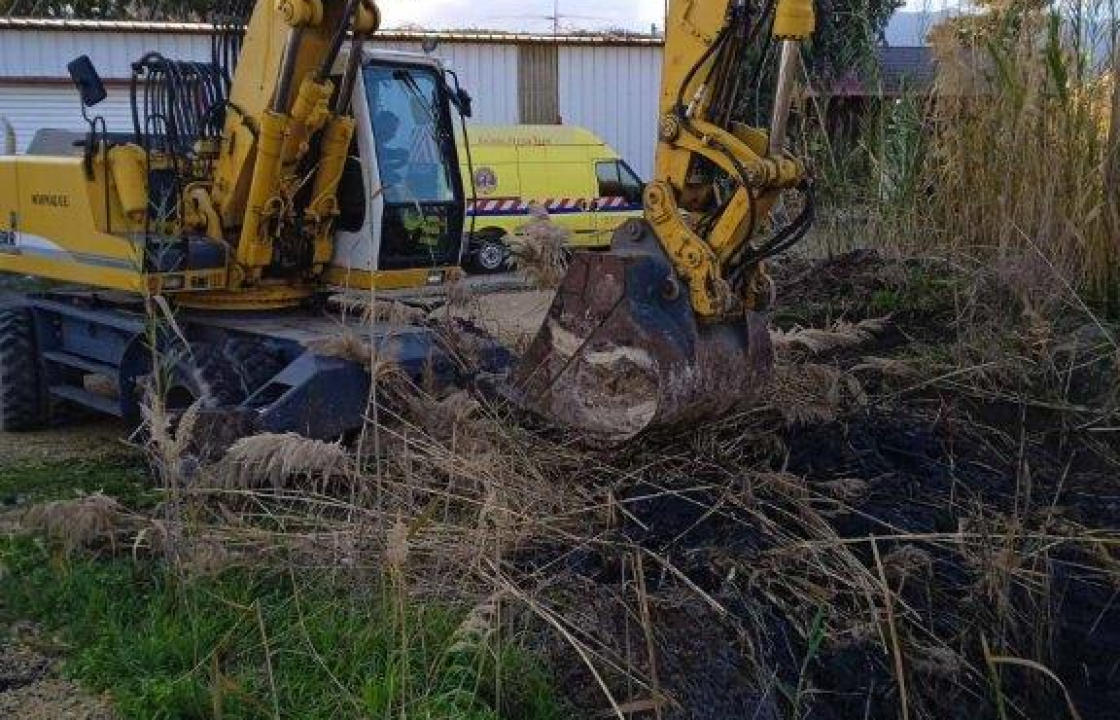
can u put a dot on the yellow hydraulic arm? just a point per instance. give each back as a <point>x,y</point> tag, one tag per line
<point>280,97</point>
<point>668,327</point>
<point>704,226</point>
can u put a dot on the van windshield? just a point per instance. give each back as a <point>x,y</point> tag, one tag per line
<point>408,129</point>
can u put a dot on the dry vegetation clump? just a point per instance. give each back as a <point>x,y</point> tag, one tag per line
<point>539,250</point>
<point>280,459</point>
<point>818,340</point>
<point>367,309</point>
<point>1018,158</point>
<point>86,522</point>
<point>1009,162</point>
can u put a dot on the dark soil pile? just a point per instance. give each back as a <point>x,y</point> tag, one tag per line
<point>939,539</point>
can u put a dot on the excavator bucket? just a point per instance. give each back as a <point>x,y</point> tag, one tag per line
<point>621,350</point>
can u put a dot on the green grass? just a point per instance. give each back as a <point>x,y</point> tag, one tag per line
<point>261,644</point>
<point>124,477</point>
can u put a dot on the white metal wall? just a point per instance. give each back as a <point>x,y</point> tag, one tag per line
<point>611,90</point>
<point>42,55</point>
<point>30,108</point>
<point>39,54</point>
<point>487,71</point>
<point>614,92</point>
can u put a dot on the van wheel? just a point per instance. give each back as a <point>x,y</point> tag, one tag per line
<point>21,397</point>
<point>490,255</point>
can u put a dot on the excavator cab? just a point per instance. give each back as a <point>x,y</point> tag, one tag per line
<point>402,196</point>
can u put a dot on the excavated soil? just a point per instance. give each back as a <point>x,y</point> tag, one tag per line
<point>749,581</point>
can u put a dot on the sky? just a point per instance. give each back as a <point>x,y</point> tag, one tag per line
<point>524,15</point>
<point>536,15</point>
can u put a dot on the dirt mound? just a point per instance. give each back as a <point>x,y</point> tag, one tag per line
<point>939,532</point>
<point>766,585</point>
<point>862,284</point>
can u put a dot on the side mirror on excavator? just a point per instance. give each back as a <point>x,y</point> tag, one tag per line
<point>87,80</point>
<point>463,101</point>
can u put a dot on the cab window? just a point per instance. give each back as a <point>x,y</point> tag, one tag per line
<point>409,134</point>
<point>616,179</point>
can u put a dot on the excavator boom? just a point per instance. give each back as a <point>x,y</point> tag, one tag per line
<point>670,325</point>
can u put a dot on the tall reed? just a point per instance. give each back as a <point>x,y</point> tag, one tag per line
<point>1017,163</point>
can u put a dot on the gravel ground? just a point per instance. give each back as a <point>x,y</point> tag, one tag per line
<point>88,439</point>
<point>30,685</point>
<point>512,317</point>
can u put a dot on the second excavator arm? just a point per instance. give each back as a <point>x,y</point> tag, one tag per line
<point>668,327</point>
<point>717,178</point>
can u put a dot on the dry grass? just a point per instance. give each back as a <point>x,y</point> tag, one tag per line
<point>820,340</point>
<point>539,250</point>
<point>281,459</point>
<point>368,309</point>
<point>89,521</point>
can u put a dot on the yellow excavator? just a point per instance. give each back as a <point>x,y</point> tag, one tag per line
<point>301,161</point>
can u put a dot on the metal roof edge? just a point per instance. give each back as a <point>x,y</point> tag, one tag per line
<point>191,28</point>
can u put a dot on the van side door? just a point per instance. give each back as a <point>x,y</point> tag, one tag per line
<point>620,197</point>
<point>559,179</point>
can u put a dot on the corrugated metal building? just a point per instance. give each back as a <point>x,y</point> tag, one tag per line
<point>607,84</point>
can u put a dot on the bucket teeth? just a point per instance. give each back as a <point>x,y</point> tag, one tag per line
<point>621,350</point>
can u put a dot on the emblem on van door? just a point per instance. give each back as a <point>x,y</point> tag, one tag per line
<point>485,180</point>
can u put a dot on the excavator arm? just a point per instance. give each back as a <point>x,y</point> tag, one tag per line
<point>281,96</point>
<point>705,228</point>
<point>668,327</point>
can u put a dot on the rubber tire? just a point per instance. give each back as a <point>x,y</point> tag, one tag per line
<point>21,395</point>
<point>490,255</point>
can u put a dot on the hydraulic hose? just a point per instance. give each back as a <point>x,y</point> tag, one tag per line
<point>187,98</point>
<point>336,40</point>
